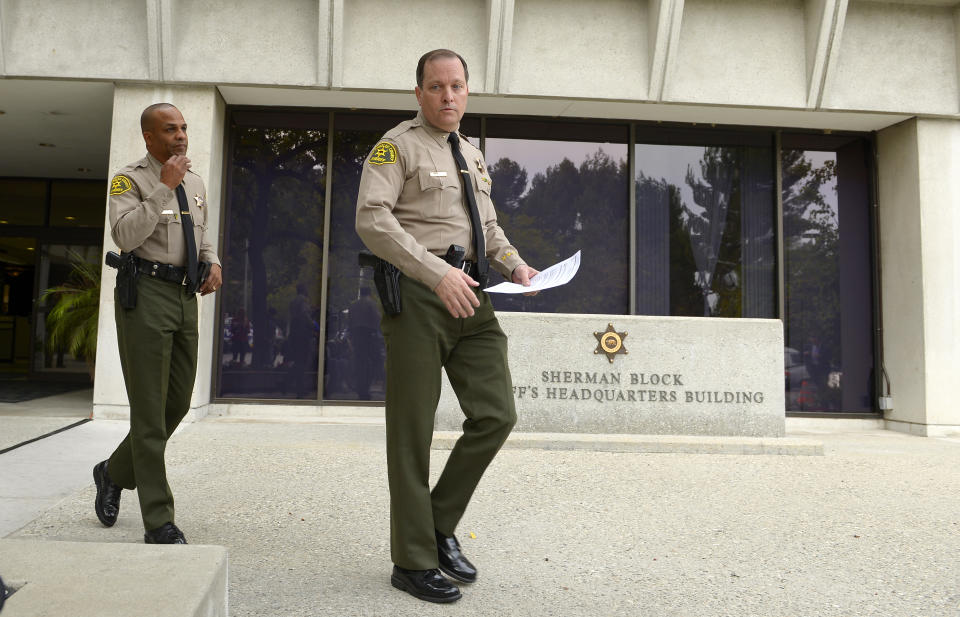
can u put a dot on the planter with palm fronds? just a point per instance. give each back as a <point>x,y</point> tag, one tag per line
<point>72,322</point>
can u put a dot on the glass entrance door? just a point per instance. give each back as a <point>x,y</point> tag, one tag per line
<point>16,301</point>
<point>56,268</point>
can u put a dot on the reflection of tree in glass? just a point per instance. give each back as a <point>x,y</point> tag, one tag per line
<point>715,230</point>
<point>343,287</point>
<point>811,234</point>
<point>704,239</point>
<point>349,153</point>
<point>276,215</point>
<point>683,297</point>
<point>568,208</point>
<point>509,181</point>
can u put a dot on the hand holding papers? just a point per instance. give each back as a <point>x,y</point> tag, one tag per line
<point>554,276</point>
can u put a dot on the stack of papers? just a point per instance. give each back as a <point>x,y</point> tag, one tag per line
<point>554,276</point>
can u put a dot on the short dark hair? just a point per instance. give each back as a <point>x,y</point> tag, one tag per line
<point>146,118</point>
<point>439,53</point>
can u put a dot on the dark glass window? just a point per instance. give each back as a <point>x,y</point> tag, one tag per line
<point>353,360</point>
<point>17,269</point>
<point>827,287</point>
<point>705,243</point>
<point>273,256</point>
<point>354,352</point>
<point>57,263</point>
<point>705,230</point>
<point>560,188</point>
<point>24,202</point>
<point>77,203</point>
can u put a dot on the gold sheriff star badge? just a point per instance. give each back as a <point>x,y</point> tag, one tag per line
<point>610,342</point>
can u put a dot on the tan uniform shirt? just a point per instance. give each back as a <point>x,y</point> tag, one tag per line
<point>145,215</point>
<point>411,207</point>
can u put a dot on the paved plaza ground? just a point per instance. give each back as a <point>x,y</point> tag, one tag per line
<point>872,527</point>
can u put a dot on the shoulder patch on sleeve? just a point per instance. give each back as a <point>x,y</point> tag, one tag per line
<point>384,153</point>
<point>120,185</point>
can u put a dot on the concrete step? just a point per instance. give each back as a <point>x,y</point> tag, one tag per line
<point>90,579</point>
<point>684,444</point>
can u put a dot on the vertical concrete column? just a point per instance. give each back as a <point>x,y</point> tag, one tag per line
<point>205,112</point>
<point>920,256</point>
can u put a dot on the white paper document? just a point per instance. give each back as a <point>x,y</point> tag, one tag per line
<point>554,276</point>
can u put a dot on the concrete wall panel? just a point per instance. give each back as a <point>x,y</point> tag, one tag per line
<point>678,376</point>
<point>64,38</point>
<point>580,49</point>
<point>384,40</point>
<point>895,58</point>
<point>247,41</point>
<point>902,267</point>
<point>939,170</point>
<point>741,52</point>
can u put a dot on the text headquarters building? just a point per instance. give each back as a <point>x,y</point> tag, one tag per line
<point>780,172</point>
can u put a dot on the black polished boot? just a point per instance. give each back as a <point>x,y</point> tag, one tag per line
<point>453,563</point>
<point>426,585</point>
<point>107,503</point>
<point>168,533</point>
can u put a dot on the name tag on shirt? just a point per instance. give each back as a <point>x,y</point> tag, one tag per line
<point>438,174</point>
<point>166,212</point>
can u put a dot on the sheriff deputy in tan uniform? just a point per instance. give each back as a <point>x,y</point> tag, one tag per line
<point>412,205</point>
<point>158,337</point>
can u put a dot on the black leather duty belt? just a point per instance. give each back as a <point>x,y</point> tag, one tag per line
<point>164,272</point>
<point>470,267</point>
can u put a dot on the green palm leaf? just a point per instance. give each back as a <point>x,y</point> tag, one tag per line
<point>72,321</point>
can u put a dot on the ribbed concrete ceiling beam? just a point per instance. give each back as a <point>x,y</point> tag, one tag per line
<point>331,22</point>
<point>501,39</point>
<point>3,70</point>
<point>155,39</point>
<point>824,27</point>
<point>956,34</point>
<point>665,18</point>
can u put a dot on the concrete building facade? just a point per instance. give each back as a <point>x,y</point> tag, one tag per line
<point>78,73</point>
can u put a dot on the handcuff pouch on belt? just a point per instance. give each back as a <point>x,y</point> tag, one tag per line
<point>127,275</point>
<point>386,277</point>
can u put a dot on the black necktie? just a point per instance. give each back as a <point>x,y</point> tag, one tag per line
<point>187,224</point>
<point>478,244</point>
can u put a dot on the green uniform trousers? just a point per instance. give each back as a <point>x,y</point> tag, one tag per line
<point>422,340</point>
<point>158,354</point>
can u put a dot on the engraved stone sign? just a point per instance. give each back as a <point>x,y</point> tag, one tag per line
<point>680,375</point>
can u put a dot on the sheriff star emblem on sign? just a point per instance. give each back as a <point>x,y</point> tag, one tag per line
<point>610,342</point>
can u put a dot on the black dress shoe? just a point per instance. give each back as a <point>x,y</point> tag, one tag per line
<point>164,534</point>
<point>107,503</point>
<point>426,585</point>
<point>452,561</point>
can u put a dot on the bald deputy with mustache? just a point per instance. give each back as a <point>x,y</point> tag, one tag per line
<point>158,214</point>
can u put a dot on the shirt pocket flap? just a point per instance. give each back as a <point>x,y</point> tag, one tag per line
<point>483,184</point>
<point>428,181</point>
